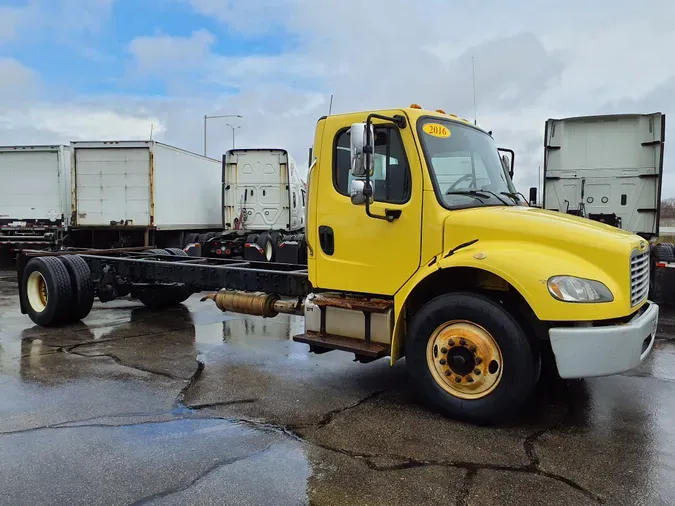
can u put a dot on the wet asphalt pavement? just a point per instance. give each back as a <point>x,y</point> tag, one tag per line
<point>193,406</point>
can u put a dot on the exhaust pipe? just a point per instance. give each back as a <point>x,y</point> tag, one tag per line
<point>263,304</point>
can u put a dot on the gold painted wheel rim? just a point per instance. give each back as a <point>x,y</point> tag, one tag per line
<point>37,291</point>
<point>464,359</point>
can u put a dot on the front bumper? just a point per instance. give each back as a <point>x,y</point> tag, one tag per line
<point>583,352</point>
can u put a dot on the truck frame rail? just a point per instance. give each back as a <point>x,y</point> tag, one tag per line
<point>143,266</point>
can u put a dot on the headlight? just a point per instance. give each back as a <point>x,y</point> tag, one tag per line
<point>571,289</point>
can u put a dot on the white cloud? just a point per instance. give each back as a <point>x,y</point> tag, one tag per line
<point>166,55</point>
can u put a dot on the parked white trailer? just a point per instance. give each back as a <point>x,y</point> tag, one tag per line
<point>607,168</point>
<point>128,193</point>
<point>263,205</point>
<point>35,196</point>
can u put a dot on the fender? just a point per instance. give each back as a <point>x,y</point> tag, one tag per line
<point>527,268</point>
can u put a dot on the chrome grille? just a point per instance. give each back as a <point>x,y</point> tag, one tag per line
<point>639,277</point>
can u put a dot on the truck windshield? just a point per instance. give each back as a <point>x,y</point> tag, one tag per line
<point>464,164</point>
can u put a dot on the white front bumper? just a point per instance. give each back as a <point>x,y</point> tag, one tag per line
<point>583,352</point>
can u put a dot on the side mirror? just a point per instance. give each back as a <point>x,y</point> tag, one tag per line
<point>358,192</point>
<point>533,196</point>
<point>359,147</point>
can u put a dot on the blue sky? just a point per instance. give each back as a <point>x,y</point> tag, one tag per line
<point>97,60</point>
<point>103,69</point>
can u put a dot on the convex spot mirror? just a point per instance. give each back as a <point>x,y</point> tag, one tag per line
<point>359,148</point>
<point>358,192</point>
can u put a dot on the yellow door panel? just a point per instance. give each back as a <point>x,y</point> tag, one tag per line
<point>368,255</point>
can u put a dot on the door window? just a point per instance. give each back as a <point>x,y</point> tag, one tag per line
<point>391,177</point>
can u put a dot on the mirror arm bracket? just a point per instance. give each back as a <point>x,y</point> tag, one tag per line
<point>390,214</point>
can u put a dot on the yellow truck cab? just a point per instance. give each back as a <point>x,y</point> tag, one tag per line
<point>418,246</point>
<point>415,207</point>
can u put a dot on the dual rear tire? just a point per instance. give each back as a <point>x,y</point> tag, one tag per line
<point>57,290</point>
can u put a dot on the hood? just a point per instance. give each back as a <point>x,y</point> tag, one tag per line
<point>547,228</point>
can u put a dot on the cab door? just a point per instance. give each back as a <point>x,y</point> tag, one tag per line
<point>355,252</point>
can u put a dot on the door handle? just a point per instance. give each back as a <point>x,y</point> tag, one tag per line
<point>326,239</point>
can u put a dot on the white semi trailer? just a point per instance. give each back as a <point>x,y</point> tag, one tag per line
<point>34,197</point>
<point>140,193</point>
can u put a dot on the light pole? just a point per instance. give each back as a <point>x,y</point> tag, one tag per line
<point>233,129</point>
<point>214,117</point>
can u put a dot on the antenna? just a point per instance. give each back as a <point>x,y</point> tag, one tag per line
<point>330,107</point>
<point>473,73</point>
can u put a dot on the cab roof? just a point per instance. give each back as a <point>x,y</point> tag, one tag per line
<point>413,112</point>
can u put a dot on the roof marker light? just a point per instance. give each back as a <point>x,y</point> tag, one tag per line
<point>415,106</point>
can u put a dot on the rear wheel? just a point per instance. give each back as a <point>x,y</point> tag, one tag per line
<point>83,286</point>
<point>176,252</point>
<point>266,242</point>
<point>471,358</point>
<point>663,252</point>
<point>160,297</point>
<point>47,291</point>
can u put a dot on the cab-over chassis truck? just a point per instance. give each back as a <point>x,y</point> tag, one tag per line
<point>419,247</point>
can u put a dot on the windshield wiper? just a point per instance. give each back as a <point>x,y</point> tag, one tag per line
<point>514,196</point>
<point>478,195</point>
<point>496,196</point>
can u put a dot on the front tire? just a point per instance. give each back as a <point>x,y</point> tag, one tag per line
<point>471,358</point>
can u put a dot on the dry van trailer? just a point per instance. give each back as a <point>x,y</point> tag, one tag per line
<point>34,196</point>
<point>141,193</point>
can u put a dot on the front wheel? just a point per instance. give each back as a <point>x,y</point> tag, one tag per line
<point>471,358</point>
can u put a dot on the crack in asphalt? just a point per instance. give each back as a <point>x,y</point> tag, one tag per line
<point>120,362</point>
<point>215,467</point>
<point>197,407</point>
<point>467,485</point>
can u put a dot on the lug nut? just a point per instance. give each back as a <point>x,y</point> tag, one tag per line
<point>469,379</point>
<point>444,350</point>
<point>443,362</point>
<point>458,379</point>
<point>478,360</point>
<point>472,349</point>
<point>451,342</point>
<point>476,372</point>
<point>462,342</point>
<point>448,373</point>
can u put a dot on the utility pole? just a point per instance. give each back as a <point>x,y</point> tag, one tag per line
<point>214,117</point>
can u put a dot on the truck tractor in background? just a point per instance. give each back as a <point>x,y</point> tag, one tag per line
<point>263,210</point>
<point>609,168</point>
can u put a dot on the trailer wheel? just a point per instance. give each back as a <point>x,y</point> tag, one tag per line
<point>176,252</point>
<point>267,244</point>
<point>663,252</point>
<point>47,291</point>
<point>471,358</point>
<point>160,297</point>
<point>82,284</point>
<point>190,238</point>
<point>202,238</point>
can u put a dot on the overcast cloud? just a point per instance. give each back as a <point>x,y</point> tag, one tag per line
<point>531,63</point>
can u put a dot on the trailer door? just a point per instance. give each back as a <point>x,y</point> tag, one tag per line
<point>29,185</point>
<point>113,186</point>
